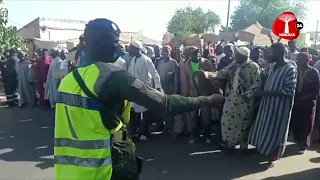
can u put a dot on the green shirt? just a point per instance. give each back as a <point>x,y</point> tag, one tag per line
<point>195,68</point>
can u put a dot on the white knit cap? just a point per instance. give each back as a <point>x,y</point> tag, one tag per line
<point>137,44</point>
<point>144,50</point>
<point>244,51</point>
<point>56,49</point>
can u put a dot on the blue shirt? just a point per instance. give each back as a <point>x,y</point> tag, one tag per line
<point>317,65</point>
<point>224,62</point>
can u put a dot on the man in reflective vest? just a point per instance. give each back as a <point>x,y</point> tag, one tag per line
<point>91,101</point>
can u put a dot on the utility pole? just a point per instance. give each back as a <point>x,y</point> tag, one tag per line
<point>316,37</point>
<point>228,16</point>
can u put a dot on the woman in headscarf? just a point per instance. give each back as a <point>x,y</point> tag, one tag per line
<point>303,113</point>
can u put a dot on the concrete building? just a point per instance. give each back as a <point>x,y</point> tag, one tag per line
<point>52,29</point>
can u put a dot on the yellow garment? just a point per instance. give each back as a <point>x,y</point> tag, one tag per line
<point>82,147</point>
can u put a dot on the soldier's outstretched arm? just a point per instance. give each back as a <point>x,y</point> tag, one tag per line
<point>123,84</point>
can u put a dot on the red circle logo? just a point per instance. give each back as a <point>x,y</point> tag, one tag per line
<point>284,26</point>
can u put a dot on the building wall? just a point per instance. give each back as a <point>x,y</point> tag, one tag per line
<point>60,29</point>
<point>30,30</point>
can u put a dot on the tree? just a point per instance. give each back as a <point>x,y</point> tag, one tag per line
<point>265,12</point>
<point>186,21</point>
<point>286,18</point>
<point>8,34</point>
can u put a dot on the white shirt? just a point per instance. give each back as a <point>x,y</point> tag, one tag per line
<point>121,63</point>
<point>143,69</point>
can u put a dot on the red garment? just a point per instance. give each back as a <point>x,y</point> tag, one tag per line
<point>42,69</point>
<point>304,108</point>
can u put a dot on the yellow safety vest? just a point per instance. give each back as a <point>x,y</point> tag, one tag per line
<point>82,145</point>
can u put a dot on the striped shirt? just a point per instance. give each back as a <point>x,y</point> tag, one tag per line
<point>270,129</point>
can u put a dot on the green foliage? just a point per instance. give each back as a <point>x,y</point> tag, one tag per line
<point>186,21</point>
<point>8,34</point>
<point>265,12</point>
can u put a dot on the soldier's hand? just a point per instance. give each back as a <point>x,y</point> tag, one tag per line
<point>216,100</point>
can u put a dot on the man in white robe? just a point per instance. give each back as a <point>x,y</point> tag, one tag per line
<point>53,80</point>
<point>64,70</point>
<point>142,68</point>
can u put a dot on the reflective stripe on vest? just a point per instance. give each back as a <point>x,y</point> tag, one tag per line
<point>77,101</point>
<point>85,162</point>
<point>82,144</point>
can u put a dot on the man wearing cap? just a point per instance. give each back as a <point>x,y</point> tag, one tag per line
<point>244,77</point>
<point>142,68</point>
<point>53,80</point>
<point>90,139</point>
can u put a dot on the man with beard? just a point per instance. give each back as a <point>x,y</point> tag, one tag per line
<point>270,129</point>
<point>244,76</point>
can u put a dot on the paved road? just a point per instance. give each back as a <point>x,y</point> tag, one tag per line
<point>26,153</point>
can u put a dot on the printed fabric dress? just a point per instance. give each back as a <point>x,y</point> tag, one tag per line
<point>238,110</point>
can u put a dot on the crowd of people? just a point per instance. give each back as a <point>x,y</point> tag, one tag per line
<point>269,91</point>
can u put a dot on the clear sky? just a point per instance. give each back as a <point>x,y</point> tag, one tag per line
<point>151,16</point>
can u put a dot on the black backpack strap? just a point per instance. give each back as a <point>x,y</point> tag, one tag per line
<point>85,89</point>
<point>82,84</point>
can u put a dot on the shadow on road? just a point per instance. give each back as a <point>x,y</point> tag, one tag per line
<point>27,135</point>
<point>310,174</point>
<point>176,159</point>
